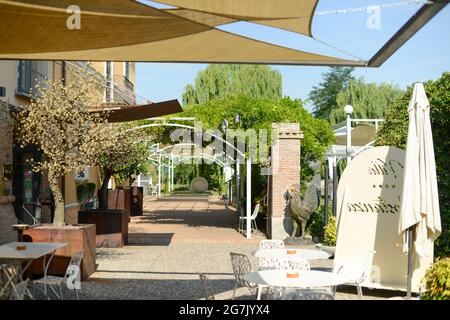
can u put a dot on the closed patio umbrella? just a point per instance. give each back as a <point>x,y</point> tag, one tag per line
<point>420,222</point>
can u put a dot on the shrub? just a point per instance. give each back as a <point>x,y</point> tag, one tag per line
<point>437,281</point>
<point>316,224</point>
<point>330,232</point>
<point>394,132</point>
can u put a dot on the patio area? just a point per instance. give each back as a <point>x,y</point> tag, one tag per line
<point>187,219</point>
<point>175,240</point>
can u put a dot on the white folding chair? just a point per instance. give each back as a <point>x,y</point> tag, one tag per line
<point>243,219</point>
<point>19,291</point>
<point>71,278</point>
<point>355,269</point>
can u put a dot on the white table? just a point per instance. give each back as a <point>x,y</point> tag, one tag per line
<point>307,254</point>
<point>306,279</point>
<point>13,258</point>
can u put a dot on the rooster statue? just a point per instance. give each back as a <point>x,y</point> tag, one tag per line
<point>302,209</point>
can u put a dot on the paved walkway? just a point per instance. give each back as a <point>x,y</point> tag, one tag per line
<point>183,219</point>
<point>176,239</point>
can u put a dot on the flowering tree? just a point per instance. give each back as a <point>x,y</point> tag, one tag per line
<point>124,158</point>
<point>60,124</point>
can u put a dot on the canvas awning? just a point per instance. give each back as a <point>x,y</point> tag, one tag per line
<point>125,30</point>
<point>139,112</point>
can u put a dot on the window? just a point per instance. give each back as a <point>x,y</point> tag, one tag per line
<point>127,70</point>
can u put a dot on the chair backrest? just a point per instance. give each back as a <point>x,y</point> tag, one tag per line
<point>271,244</point>
<point>19,290</point>
<point>241,265</point>
<point>74,264</point>
<point>206,287</point>
<point>356,269</point>
<point>255,211</point>
<point>292,264</point>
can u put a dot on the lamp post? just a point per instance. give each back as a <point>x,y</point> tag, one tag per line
<point>348,109</point>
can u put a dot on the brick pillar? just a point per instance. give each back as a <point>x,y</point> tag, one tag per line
<point>285,173</point>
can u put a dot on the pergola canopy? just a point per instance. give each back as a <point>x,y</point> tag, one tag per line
<point>125,30</point>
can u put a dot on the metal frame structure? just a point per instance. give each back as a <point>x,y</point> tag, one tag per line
<point>237,163</point>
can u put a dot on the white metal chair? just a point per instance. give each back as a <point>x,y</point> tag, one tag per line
<point>71,278</point>
<point>356,269</point>
<point>243,219</point>
<point>241,266</point>
<point>207,291</point>
<point>271,244</point>
<point>19,291</point>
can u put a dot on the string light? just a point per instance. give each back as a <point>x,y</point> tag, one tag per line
<point>382,6</point>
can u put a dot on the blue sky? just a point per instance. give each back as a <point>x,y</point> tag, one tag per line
<point>426,56</point>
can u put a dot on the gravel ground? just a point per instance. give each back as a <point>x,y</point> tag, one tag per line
<point>171,272</point>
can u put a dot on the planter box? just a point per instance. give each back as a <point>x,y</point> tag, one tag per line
<point>111,226</point>
<point>81,237</point>
<point>120,199</point>
<point>137,197</point>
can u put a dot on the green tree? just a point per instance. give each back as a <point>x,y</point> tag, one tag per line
<point>221,81</point>
<point>369,100</point>
<point>260,114</point>
<point>324,95</point>
<point>123,159</point>
<point>394,132</point>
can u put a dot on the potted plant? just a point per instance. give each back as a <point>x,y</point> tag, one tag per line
<point>70,137</point>
<point>436,281</point>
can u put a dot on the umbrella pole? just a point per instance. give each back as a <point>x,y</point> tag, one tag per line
<point>409,277</point>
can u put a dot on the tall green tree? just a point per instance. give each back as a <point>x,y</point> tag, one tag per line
<point>222,81</point>
<point>324,95</point>
<point>260,114</point>
<point>369,100</point>
<point>394,132</point>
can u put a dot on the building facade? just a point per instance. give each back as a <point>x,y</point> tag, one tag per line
<point>19,78</point>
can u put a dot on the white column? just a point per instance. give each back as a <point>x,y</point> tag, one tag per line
<point>349,139</point>
<point>171,170</point>
<point>159,174</point>
<point>249,198</point>
<point>139,180</point>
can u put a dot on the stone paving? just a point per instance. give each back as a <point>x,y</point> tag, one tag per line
<point>174,242</point>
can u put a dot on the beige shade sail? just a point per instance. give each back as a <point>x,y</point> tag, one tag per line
<point>292,15</point>
<point>361,135</point>
<point>121,30</point>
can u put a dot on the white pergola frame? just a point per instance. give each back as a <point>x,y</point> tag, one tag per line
<point>248,197</point>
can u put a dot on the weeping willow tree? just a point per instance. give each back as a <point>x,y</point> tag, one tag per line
<point>369,100</point>
<point>223,81</point>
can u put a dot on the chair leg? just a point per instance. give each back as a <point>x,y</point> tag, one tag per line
<point>234,291</point>
<point>260,289</point>
<point>60,292</point>
<point>360,293</point>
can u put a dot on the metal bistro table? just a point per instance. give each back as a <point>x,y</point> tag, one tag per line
<point>12,259</point>
<point>306,279</point>
<point>307,254</point>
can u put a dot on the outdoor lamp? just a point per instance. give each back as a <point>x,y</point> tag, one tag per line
<point>348,109</point>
